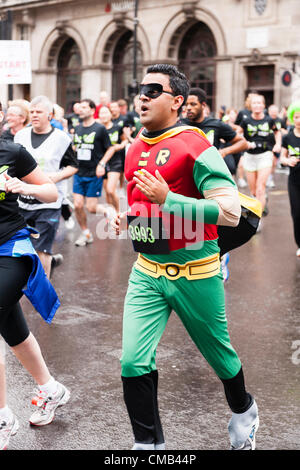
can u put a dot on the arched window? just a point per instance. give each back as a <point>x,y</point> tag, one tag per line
<point>69,75</point>
<point>122,74</point>
<point>196,59</point>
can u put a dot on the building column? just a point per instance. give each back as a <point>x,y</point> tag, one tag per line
<point>94,80</point>
<point>44,83</point>
<point>224,82</point>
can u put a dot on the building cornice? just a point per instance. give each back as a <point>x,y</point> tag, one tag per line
<point>16,5</point>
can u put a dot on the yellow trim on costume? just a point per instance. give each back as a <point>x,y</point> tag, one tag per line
<point>170,133</point>
<point>251,203</point>
<point>192,270</point>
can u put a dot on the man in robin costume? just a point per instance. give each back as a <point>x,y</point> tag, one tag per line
<point>179,192</point>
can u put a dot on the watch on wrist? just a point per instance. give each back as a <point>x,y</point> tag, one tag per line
<point>102,164</point>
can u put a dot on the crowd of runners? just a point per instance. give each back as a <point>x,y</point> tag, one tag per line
<point>66,161</point>
<point>91,147</point>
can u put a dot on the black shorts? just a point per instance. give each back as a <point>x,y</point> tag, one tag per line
<point>46,222</point>
<point>116,165</point>
<point>14,273</point>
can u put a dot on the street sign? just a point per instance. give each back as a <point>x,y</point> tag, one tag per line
<point>15,62</point>
<point>118,6</point>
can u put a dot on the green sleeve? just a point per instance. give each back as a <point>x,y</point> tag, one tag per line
<point>190,208</point>
<point>210,171</point>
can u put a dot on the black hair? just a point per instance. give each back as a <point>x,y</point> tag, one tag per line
<point>179,84</point>
<point>91,103</point>
<point>201,94</point>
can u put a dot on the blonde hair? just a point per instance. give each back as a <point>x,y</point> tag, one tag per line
<point>23,106</point>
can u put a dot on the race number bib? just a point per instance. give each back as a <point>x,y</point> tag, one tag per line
<point>84,154</point>
<point>148,235</point>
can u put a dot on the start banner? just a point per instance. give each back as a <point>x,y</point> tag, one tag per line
<point>15,62</point>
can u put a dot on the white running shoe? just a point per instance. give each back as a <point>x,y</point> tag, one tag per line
<point>47,404</point>
<point>249,444</point>
<point>70,223</point>
<point>242,428</point>
<point>84,239</point>
<point>7,428</point>
<point>142,446</point>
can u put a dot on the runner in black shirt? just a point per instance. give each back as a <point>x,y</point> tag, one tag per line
<point>94,150</point>
<point>52,149</point>
<point>273,112</point>
<point>215,130</point>
<point>20,174</point>
<point>17,162</point>
<point>259,130</point>
<point>73,118</point>
<point>117,117</point>
<point>290,156</point>
<point>91,142</point>
<point>115,166</point>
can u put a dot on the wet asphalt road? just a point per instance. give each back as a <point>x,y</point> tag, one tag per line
<point>82,348</point>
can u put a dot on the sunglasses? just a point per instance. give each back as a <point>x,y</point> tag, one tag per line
<point>153,90</point>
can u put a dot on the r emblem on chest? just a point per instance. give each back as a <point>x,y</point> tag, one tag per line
<point>162,157</point>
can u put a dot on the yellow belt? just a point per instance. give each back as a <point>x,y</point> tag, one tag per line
<point>198,269</point>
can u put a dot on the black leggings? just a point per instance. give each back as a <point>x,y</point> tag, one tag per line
<point>294,195</point>
<point>14,273</point>
<point>140,396</point>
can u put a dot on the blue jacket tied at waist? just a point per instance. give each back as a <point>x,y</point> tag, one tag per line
<point>39,289</point>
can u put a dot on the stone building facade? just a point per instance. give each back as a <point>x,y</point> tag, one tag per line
<point>227,47</point>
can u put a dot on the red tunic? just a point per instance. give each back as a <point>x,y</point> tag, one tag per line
<point>173,154</point>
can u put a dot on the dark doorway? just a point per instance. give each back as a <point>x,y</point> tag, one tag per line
<point>122,74</point>
<point>260,79</point>
<point>69,75</point>
<point>197,59</point>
